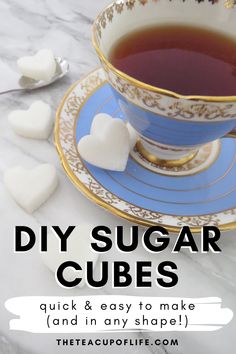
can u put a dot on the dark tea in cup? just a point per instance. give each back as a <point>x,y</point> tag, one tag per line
<point>184,59</point>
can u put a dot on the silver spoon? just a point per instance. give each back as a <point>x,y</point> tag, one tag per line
<point>22,83</point>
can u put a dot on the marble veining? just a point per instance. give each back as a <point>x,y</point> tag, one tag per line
<point>65,26</point>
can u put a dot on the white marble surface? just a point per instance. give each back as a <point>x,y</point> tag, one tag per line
<point>65,26</point>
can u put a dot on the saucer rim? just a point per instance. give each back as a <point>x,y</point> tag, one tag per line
<point>94,198</point>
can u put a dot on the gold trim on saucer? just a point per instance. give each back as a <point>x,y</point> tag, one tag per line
<point>160,162</point>
<point>70,108</point>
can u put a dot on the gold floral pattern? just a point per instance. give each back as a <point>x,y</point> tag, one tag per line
<point>170,107</point>
<point>67,116</point>
<point>143,2</point>
<point>119,6</point>
<point>102,20</point>
<point>200,110</point>
<point>144,214</point>
<point>110,14</point>
<point>229,4</point>
<point>132,92</point>
<point>130,4</point>
<point>203,220</point>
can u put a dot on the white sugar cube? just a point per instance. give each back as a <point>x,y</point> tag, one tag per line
<point>41,66</point>
<point>34,123</point>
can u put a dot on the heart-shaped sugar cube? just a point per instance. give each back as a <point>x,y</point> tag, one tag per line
<point>31,188</point>
<point>34,123</point>
<point>102,120</point>
<point>41,66</point>
<point>108,145</point>
<point>78,250</point>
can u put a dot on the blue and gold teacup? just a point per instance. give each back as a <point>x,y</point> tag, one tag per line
<point>171,127</point>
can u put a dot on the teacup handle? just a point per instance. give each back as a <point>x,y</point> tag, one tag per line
<point>231,134</point>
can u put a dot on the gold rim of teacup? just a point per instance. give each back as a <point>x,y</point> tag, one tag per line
<point>141,84</point>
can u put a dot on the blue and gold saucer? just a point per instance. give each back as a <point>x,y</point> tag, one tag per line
<point>200,192</point>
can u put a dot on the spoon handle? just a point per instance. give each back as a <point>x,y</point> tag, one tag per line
<point>11,84</point>
<point>10,90</point>
<point>20,83</point>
